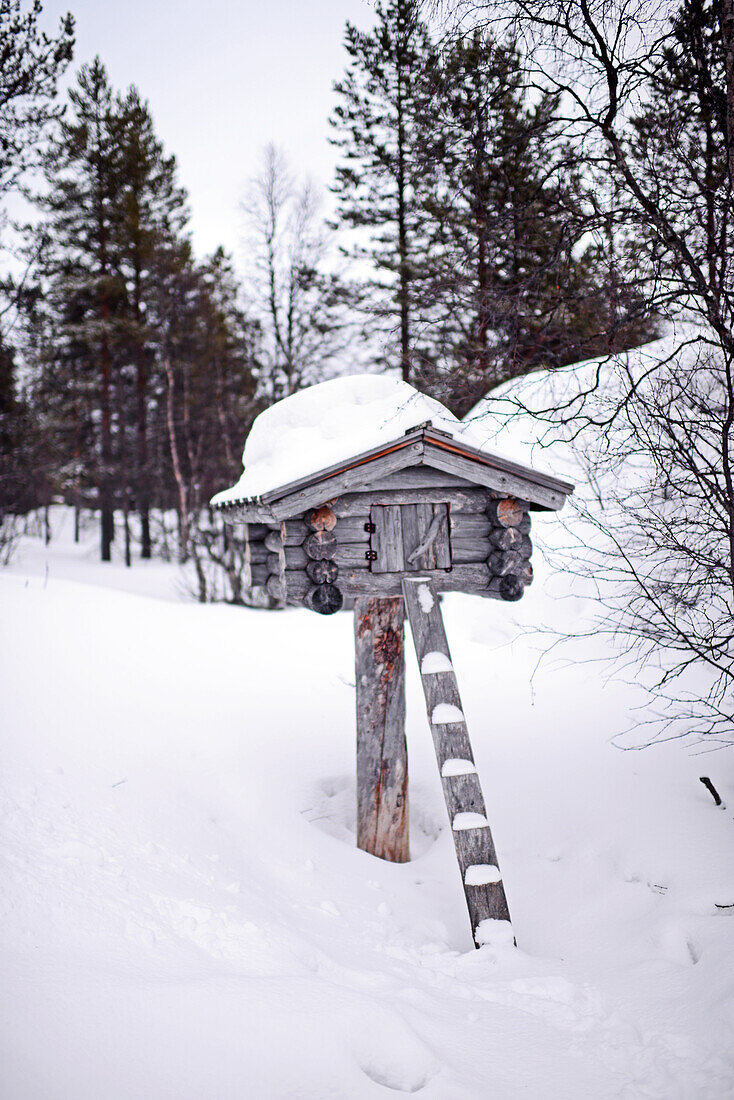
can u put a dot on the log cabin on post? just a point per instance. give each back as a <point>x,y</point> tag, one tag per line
<point>423,510</point>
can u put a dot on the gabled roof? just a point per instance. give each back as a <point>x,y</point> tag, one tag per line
<point>423,445</point>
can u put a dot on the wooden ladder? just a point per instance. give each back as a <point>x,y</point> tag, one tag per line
<point>475,851</point>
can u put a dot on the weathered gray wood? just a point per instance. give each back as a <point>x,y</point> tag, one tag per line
<point>297,585</point>
<point>437,440</point>
<point>259,574</point>
<point>246,513</point>
<point>350,554</point>
<point>321,572</point>
<point>421,477</point>
<point>421,447</point>
<point>257,531</point>
<point>258,552</point>
<point>273,541</point>
<point>320,544</point>
<point>426,536</point>
<point>281,560</point>
<point>473,578</point>
<point>462,792</point>
<point>507,512</point>
<point>247,572</point>
<point>382,755</point>
<point>353,529</point>
<point>468,525</point>
<point>508,588</point>
<point>321,519</point>
<point>461,500</point>
<point>499,479</point>
<point>524,524</point>
<point>525,574</point>
<point>276,588</point>
<point>464,551</point>
<point>405,446</point>
<point>502,562</point>
<point>355,477</point>
<point>324,599</point>
<point>387,540</point>
<point>295,532</point>
<point>506,538</point>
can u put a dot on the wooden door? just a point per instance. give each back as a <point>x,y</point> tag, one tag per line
<point>409,538</point>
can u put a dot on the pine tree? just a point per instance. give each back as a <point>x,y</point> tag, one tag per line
<point>83,173</point>
<point>151,212</point>
<point>31,63</point>
<point>504,291</point>
<point>378,179</point>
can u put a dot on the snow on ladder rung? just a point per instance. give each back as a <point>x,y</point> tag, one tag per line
<point>457,766</point>
<point>482,874</point>
<point>446,714</point>
<point>469,820</point>
<point>434,663</point>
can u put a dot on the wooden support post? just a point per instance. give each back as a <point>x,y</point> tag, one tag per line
<point>475,851</point>
<point>382,754</point>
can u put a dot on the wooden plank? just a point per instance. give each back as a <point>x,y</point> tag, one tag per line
<point>500,480</point>
<point>473,578</point>
<point>464,525</point>
<point>354,478</point>
<point>437,440</point>
<point>462,793</point>
<point>401,447</point>
<point>246,513</point>
<point>382,754</point>
<point>461,500</point>
<point>387,540</point>
<point>350,554</point>
<point>421,477</point>
<point>426,537</point>
<point>353,529</point>
<point>466,551</point>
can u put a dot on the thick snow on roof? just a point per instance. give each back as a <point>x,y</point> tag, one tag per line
<point>330,423</point>
<point>545,419</point>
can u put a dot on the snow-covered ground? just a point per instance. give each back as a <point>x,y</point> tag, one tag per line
<point>185,914</point>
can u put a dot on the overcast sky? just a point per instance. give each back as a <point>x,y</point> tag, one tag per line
<point>223,78</point>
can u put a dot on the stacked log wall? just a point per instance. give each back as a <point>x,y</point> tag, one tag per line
<point>322,556</point>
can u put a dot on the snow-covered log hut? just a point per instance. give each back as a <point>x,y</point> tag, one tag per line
<point>354,483</point>
<point>363,488</point>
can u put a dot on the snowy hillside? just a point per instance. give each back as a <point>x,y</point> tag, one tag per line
<point>185,915</point>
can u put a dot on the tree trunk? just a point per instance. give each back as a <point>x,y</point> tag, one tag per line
<point>382,754</point>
